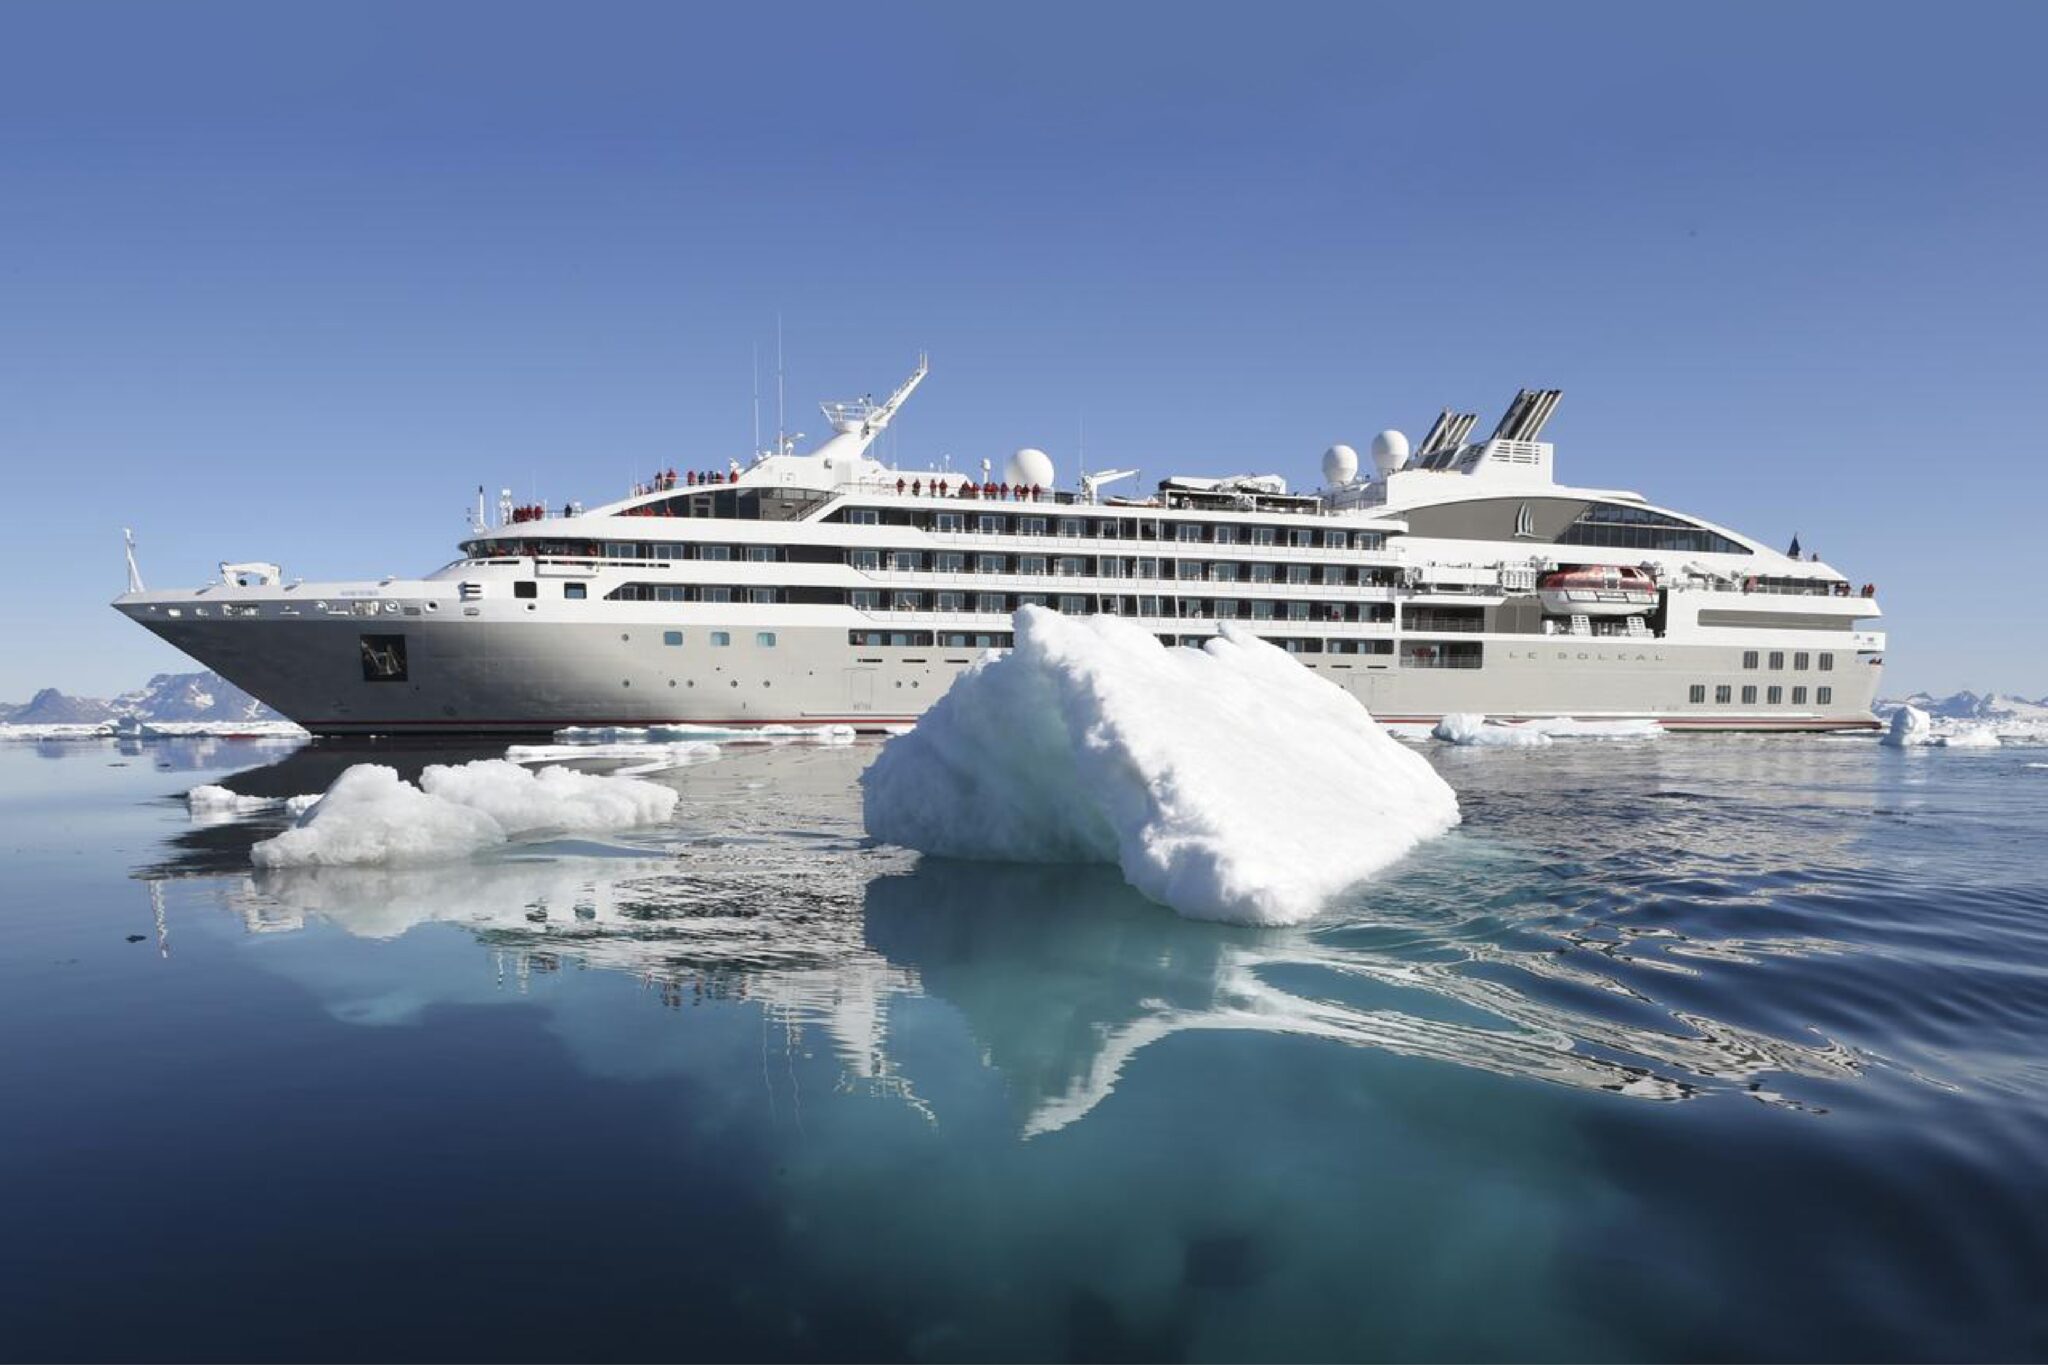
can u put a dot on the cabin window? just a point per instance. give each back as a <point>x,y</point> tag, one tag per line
<point>717,552</point>
<point>1749,658</point>
<point>1071,566</point>
<point>905,560</point>
<point>950,601</point>
<point>1827,663</point>
<point>1749,695</point>
<point>671,637</point>
<point>949,521</point>
<point>1224,535</point>
<point>1031,564</point>
<point>765,639</point>
<point>907,601</point>
<point>575,592</point>
<point>989,524</point>
<point>864,516</point>
<point>1723,694</point>
<point>865,599</point>
<point>1698,694</point>
<point>1799,696</point>
<point>1070,526</point>
<point>1777,660</point>
<point>989,563</point>
<point>1335,540</point>
<point>1031,526</point>
<point>720,639</point>
<point>1262,535</point>
<point>1799,662</point>
<point>761,596</point>
<point>1824,695</point>
<point>949,561</point>
<point>989,601</point>
<point>526,589</point>
<point>762,554</point>
<point>1773,696</point>
<point>1301,537</point>
<point>865,559</point>
<point>1187,530</point>
<point>714,595</point>
<point>383,658</point>
<point>1073,606</point>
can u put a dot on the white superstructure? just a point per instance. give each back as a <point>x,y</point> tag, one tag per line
<point>826,586</point>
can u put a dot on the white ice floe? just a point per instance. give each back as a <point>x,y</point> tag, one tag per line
<point>370,815</point>
<point>1478,732</point>
<point>1467,729</point>
<point>217,801</point>
<point>1969,737</point>
<point>295,806</point>
<point>714,734</point>
<point>1910,728</point>
<point>644,757</point>
<point>1228,782</point>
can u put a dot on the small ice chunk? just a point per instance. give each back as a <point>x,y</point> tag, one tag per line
<point>1911,727</point>
<point>1228,782</point>
<point>295,806</point>
<point>1566,727</point>
<point>1969,737</point>
<point>523,801</point>
<point>1468,729</point>
<point>370,815</point>
<point>219,801</point>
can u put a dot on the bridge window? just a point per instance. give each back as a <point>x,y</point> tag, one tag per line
<point>1616,526</point>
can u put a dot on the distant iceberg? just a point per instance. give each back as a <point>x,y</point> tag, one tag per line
<point>1227,782</point>
<point>371,815</point>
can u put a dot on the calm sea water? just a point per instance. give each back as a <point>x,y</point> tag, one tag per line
<point>1705,1048</point>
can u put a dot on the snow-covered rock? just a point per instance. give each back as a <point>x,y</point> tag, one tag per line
<point>1227,782</point>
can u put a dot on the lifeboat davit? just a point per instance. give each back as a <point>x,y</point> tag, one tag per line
<point>1597,590</point>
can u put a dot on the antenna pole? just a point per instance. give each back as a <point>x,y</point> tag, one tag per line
<point>134,574</point>
<point>781,442</point>
<point>757,398</point>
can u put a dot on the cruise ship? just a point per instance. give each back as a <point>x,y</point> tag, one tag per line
<point>826,587</point>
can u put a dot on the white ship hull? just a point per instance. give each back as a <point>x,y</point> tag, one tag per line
<point>826,589</point>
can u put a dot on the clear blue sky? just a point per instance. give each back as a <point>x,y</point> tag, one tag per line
<point>288,281</point>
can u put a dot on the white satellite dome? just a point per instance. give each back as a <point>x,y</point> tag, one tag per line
<point>1340,465</point>
<point>1389,451</point>
<point>1029,466</point>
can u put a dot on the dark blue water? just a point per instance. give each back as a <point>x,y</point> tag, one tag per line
<point>1710,1048</point>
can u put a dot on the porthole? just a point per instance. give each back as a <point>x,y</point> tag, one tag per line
<point>626,683</point>
<point>671,682</point>
<point>433,606</point>
<point>735,682</point>
<point>625,637</point>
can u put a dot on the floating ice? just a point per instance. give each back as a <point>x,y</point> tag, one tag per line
<point>1228,782</point>
<point>1969,737</point>
<point>295,806</point>
<point>216,801</point>
<point>716,734</point>
<point>370,815</point>
<point>647,757</point>
<point>1477,731</point>
<point>1910,728</point>
<point>1465,728</point>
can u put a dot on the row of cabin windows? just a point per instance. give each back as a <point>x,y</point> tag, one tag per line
<point>911,639</point>
<point>1773,696</point>
<point>1113,528</point>
<point>720,639</point>
<point>1088,604</point>
<point>1800,660</point>
<point>1089,566</point>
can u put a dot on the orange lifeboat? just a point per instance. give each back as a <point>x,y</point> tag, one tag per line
<point>1598,590</point>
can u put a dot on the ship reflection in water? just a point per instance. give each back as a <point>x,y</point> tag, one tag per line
<point>1585,957</point>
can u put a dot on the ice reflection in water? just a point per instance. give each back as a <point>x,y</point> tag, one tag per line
<point>1571,952</point>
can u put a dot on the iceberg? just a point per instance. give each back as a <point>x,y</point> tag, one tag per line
<point>371,815</point>
<point>1227,782</point>
<point>1910,728</point>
